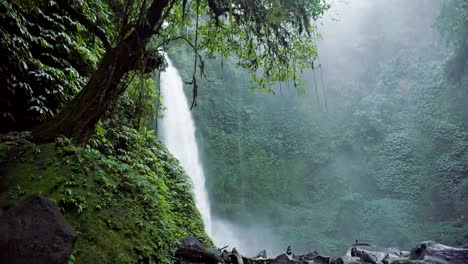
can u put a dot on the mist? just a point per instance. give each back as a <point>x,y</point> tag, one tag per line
<point>366,154</point>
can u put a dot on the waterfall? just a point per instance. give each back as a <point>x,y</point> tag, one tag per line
<point>177,132</point>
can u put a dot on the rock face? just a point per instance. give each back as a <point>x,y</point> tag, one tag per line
<point>35,232</point>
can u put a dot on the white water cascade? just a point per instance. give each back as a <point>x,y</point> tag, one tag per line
<point>177,132</point>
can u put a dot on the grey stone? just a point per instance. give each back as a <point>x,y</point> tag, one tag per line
<point>35,232</point>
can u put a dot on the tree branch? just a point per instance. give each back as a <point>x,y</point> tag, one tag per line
<point>89,25</point>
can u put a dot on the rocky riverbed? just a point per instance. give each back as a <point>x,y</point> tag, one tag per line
<point>192,251</point>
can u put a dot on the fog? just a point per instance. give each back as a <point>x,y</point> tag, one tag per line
<point>357,34</point>
<point>360,160</point>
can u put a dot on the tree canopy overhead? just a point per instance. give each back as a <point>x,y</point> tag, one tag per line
<point>272,36</point>
<point>272,39</point>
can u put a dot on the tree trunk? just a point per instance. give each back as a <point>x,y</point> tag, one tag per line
<point>78,118</point>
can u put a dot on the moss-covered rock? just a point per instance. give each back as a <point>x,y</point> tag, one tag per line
<point>131,206</point>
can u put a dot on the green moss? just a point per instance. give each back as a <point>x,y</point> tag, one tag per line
<point>129,207</point>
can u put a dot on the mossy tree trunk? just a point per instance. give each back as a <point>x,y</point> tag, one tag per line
<point>78,118</point>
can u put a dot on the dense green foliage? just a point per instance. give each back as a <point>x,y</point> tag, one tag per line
<point>387,163</point>
<point>127,37</point>
<point>129,201</point>
<point>385,160</point>
<point>45,58</point>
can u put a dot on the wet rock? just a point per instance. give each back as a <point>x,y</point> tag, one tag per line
<point>362,253</point>
<point>191,242</point>
<point>365,256</point>
<point>225,256</point>
<point>236,257</point>
<point>371,254</point>
<point>283,259</point>
<point>321,260</point>
<point>35,232</point>
<point>404,261</point>
<point>437,253</point>
<point>428,252</point>
<point>191,250</point>
<point>309,257</point>
<point>348,260</point>
<point>418,252</point>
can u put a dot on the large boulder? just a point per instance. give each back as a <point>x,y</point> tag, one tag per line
<point>191,242</point>
<point>35,232</point>
<point>418,252</point>
<point>191,250</point>
<point>283,259</point>
<point>438,253</point>
<point>366,255</point>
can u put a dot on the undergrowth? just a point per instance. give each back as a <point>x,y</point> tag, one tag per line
<point>128,199</point>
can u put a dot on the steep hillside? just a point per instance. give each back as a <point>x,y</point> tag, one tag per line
<point>127,197</point>
<point>130,202</point>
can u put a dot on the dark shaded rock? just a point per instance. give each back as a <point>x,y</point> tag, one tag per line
<point>438,253</point>
<point>189,255</point>
<point>236,257</point>
<point>225,256</point>
<point>371,254</point>
<point>418,252</point>
<point>191,250</point>
<point>192,242</point>
<point>362,253</point>
<point>233,259</point>
<point>308,257</point>
<point>321,260</point>
<point>282,259</point>
<point>428,252</point>
<point>364,256</point>
<point>404,261</point>
<point>347,260</point>
<point>35,232</point>
<point>246,260</point>
<point>338,261</point>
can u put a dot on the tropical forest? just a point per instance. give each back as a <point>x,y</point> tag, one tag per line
<point>234,131</point>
